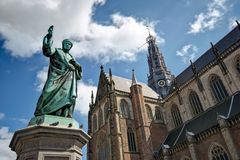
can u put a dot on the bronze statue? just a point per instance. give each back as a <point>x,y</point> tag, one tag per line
<point>60,90</point>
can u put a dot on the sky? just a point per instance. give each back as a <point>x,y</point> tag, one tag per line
<point>104,32</point>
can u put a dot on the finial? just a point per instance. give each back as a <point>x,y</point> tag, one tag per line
<point>193,67</point>
<point>92,98</point>
<point>101,67</point>
<point>212,45</point>
<point>110,74</point>
<point>134,81</point>
<point>148,31</point>
<point>214,49</point>
<point>238,24</point>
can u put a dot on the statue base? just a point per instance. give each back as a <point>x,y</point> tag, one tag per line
<point>50,139</point>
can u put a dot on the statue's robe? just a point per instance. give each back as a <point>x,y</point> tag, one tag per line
<point>60,89</point>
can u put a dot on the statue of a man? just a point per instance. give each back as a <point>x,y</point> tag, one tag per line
<point>60,90</point>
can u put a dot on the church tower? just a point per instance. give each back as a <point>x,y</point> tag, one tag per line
<point>159,78</point>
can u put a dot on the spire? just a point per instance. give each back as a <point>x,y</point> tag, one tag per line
<point>92,98</point>
<point>160,77</point>
<point>134,81</point>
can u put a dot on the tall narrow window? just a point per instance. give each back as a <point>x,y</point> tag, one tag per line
<point>106,107</point>
<point>177,119</point>
<point>100,117</point>
<point>218,153</point>
<point>131,140</point>
<point>94,123</point>
<point>158,114</point>
<point>238,64</point>
<point>218,88</point>
<point>149,112</point>
<point>195,103</point>
<point>124,109</point>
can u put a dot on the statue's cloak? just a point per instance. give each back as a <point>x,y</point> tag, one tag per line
<point>60,89</point>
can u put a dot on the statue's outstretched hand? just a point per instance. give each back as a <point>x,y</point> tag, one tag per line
<point>50,32</point>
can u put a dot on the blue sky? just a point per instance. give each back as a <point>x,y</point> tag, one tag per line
<point>104,32</point>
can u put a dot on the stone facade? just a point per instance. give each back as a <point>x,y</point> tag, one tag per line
<point>158,132</point>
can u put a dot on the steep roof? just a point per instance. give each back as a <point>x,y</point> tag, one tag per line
<point>207,119</point>
<point>208,57</point>
<point>123,84</point>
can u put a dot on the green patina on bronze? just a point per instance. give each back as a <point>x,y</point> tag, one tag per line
<point>60,90</point>
<point>54,121</point>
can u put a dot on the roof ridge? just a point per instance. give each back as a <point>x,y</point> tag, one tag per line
<point>179,134</point>
<point>230,108</point>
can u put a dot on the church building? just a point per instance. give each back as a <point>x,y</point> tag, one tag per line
<point>192,116</point>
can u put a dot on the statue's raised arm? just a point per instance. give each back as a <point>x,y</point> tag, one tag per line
<point>47,48</point>
<point>60,90</point>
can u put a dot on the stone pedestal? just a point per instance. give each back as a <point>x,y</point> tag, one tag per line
<point>46,141</point>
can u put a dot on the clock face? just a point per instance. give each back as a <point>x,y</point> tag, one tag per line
<point>161,83</point>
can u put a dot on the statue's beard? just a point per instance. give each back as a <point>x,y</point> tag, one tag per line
<point>66,50</point>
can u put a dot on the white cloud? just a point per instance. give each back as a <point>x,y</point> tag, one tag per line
<point>83,91</point>
<point>5,138</point>
<point>232,23</point>
<point>2,115</point>
<point>84,97</point>
<point>41,78</point>
<point>23,23</point>
<point>187,53</point>
<point>209,19</point>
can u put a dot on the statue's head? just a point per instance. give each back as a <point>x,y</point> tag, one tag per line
<point>66,45</point>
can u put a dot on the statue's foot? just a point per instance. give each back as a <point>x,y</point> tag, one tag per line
<point>69,116</point>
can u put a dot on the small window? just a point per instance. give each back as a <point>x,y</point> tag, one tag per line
<point>195,103</point>
<point>131,140</point>
<point>218,153</point>
<point>94,123</point>
<point>238,64</point>
<point>124,109</point>
<point>158,114</point>
<point>106,108</point>
<point>218,88</point>
<point>149,112</point>
<point>177,119</point>
<point>100,117</point>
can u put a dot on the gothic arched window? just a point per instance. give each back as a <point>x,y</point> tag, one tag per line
<point>218,153</point>
<point>218,88</point>
<point>94,123</point>
<point>158,114</point>
<point>238,64</point>
<point>149,112</point>
<point>131,140</point>
<point>195,103</point>
<point>124,109</point>
<point>100,117</point>
<point>177,119</point>
<point>106,107</point>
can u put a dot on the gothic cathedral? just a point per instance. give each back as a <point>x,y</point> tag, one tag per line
<point>192,116</point>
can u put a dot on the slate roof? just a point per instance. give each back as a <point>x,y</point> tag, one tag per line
<point>123,84</point>
<point>207,119</point>
<point>208,57</point>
